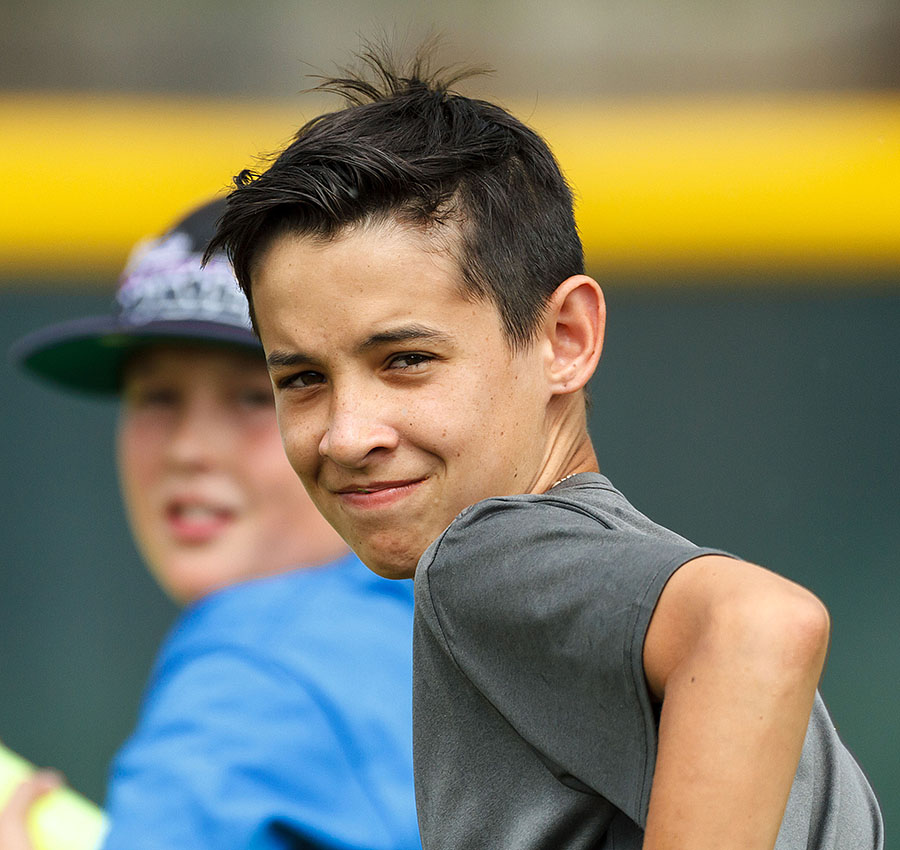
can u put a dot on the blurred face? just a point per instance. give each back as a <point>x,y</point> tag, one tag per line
<point>210,495</point>
<point>399,400</point>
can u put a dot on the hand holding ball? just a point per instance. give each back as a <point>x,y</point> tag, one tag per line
<point>60,819</point>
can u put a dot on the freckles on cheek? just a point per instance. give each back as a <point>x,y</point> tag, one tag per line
<point>301,447</point>
<point>296,453</point>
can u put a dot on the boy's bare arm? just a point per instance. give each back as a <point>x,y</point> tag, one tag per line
<point>735,653</point>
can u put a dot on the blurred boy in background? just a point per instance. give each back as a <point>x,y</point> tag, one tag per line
<point>278,712</point>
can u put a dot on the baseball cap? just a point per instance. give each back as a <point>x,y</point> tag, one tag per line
<point>164,294</point>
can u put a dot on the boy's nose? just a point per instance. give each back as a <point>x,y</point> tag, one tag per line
<point>356,430</point>
<point>200,435</point>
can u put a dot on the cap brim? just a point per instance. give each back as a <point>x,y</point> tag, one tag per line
<point>88,354</point>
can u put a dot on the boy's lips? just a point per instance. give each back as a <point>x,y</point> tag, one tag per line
<point>372,494</point>
<point>193,521</point>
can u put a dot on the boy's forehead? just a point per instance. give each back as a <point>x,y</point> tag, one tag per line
<point>176,355</point>
<point>361,271</point>
<point>436,241</point>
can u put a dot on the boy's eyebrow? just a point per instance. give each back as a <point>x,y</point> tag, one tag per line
<point>289,358</point>
<point>404,333</point>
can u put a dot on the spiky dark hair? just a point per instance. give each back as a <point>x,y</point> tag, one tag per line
<point>408,148</point>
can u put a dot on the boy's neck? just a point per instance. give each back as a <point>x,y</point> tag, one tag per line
<point>568,448</point>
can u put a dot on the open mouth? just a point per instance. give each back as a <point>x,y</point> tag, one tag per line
<point>195,522</point>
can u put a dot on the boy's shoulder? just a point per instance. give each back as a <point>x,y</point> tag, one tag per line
<point>298,616</point>
<point>585,510</point>
<point>581,539</point>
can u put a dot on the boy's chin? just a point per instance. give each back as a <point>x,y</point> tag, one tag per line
<point>393,565</point>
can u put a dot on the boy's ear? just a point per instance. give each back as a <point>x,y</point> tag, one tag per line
<point>575,323</point>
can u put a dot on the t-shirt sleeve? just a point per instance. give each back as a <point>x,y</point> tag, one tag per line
<point>231,751</point>
<point>544,608</point>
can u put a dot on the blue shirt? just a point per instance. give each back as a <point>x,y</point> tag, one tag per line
<point>278,715</point>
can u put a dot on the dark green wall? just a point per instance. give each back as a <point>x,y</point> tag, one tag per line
<point>768,423</point>
<point>761,421</point>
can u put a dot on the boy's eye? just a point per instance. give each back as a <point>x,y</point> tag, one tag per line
<point>142,397</point>
<point>301,379</point>
<point>256,397</point>
<point>408,360</point>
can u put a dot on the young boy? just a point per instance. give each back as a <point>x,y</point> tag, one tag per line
<point>278,713</point>
<point>583,677</point>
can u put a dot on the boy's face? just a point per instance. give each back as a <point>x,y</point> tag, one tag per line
<point>210,495</point>
<point>399,400</point>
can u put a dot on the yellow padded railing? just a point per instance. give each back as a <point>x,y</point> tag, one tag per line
<point>698,186</point>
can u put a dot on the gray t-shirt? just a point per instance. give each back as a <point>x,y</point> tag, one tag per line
<point>533,726</point>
